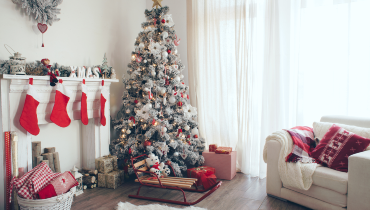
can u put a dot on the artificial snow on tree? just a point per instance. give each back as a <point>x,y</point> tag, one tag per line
<point>156,116</point>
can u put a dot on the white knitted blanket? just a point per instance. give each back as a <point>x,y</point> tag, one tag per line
<point>297,175</point>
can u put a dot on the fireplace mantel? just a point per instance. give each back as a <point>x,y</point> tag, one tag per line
<point>95,138</point>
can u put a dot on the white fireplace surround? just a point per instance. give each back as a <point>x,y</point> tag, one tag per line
<point>95,137</point>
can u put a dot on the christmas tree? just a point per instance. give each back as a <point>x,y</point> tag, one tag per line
<point>156,116</point>
<point>104,66</point>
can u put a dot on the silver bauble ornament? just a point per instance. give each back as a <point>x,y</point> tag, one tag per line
<point>128,131</point>
<point>172,100</point>
<point>177,79</point>
<point>186,127</point>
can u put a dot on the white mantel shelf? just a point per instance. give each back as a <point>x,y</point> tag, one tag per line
<point>95,138</point>
<point>11,76</point>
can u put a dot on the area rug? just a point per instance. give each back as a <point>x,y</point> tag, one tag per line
<point>126,205</point>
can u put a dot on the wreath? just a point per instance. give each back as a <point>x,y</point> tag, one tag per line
<point>44,11</point>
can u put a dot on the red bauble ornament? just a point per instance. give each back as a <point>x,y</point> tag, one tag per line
<point>188,136</point>
<point>168,162</point>
<point>129,151</point>
<point>179,103</point>
<point>136,101</point>
<point>147,143</point>
<point>169,51</point>
<point>195,136</point>
<point>163,21</point>
<point>189,143</point>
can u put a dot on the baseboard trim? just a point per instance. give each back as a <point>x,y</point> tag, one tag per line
<point>282,199</point>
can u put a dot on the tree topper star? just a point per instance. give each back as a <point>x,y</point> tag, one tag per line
<point>157,3</point>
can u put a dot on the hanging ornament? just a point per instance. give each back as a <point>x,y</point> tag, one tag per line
<point>162,91</point>
<point>164,100</point>
<point>182,95</point>
<point>169,51</point>
<point>138,59</point>
<point>168,162</point>
<point>179,131</point>
<point>132,120</point>
<point>179,104</point>
<point>128,111</point>
<point>165,35</point>
<point>164,54</point>
<point>42,28</point>
<point>167,82</point>
<point>172,100</point>
<point>177,79</point>
<point>163,21</point>
<point>128,131</point>
<point>176,154</point>
<point>129,151</point>
<point>177,41</point>
<point>147,143</point>
<point>195,136</point>
<point>153,122</point>
<point>136,101</point>
<point>184,155</point>
<point>187,128</point>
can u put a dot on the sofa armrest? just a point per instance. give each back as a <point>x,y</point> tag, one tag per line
<point>273,181</point>
<point>359,181</point>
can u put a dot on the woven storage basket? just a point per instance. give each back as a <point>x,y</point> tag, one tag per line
<point>63,201</point>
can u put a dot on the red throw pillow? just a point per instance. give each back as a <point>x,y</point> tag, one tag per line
<point>336,146</point>
<point>58,186</point>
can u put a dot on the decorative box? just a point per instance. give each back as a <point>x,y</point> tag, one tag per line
<point>224,164</point>
<point>111,180</point>
<point>198,172</point>
<point>209,179</point>
<point>223,150</point>
<point>105,164</point>
<point>212,147</point>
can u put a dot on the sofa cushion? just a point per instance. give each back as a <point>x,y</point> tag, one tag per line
<point>320,128</point>
<point>331,179</point>
<point>336,146</point>
<point>323,194</point>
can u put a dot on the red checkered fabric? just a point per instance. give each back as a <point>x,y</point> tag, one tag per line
<point>303,144</point>
<point>33,181</point>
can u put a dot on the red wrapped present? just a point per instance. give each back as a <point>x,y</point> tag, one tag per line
<point>198,172</point>
<point>208,179</point>
<point>224,150</point>
<point>212,147</point>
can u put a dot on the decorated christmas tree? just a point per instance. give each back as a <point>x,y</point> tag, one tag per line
<point>104,66</point>
<point>156,116</point>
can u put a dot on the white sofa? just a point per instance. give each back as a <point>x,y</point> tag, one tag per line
<point>331,189</point>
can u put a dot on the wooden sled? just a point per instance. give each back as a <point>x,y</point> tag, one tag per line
<point>171,183</point>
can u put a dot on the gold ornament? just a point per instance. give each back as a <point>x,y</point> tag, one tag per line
<point>157,3</point>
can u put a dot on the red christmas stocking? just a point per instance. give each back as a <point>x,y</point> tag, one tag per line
<point>103,99</point>
<point>59,114</point>
<point>84,116</point>
<point>28,118</point>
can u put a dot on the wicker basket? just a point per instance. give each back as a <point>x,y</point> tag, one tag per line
<point>63,201</point>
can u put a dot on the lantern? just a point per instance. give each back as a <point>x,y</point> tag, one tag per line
<point>18,64</point>
<point>78,177</point>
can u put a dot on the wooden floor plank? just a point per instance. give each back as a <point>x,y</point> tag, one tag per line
<point>243,192</point>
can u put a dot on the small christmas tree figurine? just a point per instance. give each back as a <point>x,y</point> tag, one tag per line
<point>104,67</point>
<point>156,116</point>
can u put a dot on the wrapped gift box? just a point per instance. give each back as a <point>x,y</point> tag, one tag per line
<point>212,147</point>
<point>111,180</point>
<point>198,172</point>
<point>208,180</point>
<point>224,164</point>
<point>106,164</point>
<point>223,150</point>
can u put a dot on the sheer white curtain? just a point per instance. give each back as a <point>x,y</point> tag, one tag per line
<point>257,66</point>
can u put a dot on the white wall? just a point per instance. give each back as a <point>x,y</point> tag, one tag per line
<point>178,11</point>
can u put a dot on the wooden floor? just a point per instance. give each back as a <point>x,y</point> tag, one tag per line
<point>243,192</point>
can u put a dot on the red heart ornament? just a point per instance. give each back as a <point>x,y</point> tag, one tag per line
<point>42,27</point>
